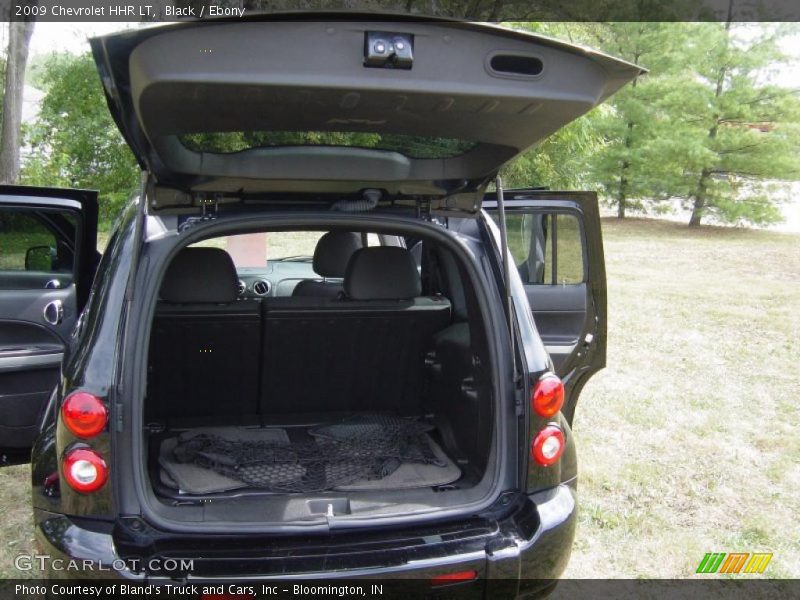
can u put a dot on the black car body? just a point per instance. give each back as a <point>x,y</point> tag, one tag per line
<point>446,106</point>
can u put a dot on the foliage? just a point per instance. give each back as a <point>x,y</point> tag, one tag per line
<point>559,162</point>
<point>705,126</point>
<point>413,146</point>
<point>672,133</point>
<point>2,83</point>
<point>742,132</point>
<point>75,143</point>
<point>638,161</point>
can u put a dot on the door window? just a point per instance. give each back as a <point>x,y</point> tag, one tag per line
<point>36,242</point>
<point>547,247</point>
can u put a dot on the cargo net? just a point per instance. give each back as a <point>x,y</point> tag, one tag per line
<point>361,448</point>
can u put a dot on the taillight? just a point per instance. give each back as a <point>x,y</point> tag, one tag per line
<point>456,577</point>
<point>84,414</point>
<point>85,470</point>
<point>548,446</point>
<point>548,396</point>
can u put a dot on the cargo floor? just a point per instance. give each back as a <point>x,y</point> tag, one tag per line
<point>364,452</point>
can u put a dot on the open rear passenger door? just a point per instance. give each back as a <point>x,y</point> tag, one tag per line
<point>556,242</point>
<point>48,254</point>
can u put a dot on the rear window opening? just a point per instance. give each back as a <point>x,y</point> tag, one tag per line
<point>413,146</point>
<point>358,385</point>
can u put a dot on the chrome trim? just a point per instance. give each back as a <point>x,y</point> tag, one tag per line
<point>53,312</point>
<point>267,285</point>
<point>560,348</point>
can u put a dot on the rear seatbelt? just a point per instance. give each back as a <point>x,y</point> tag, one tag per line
<point>429,267</point>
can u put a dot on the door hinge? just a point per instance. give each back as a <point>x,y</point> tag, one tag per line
<point>119,419</point>
<point>424,209</point>
<point>209,207</point>
<point>519,398</point>
<point>208,211</point>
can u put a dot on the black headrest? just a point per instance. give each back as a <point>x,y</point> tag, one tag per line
<point>333,252</point>
<point>200,275</point>
<point>382,273</point>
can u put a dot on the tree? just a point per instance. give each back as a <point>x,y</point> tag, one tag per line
<point>19,37</point>
<point>743,130</point>
<point>74,142</point>
<point>559,162</point>
<point>624,148</point>
<point>636,163</point>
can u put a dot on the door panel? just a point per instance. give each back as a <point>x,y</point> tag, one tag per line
<point>555,241</point>
<point>47,254</point>
<point>560,315</point>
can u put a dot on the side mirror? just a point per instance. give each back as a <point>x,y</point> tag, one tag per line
<point>39,258</point>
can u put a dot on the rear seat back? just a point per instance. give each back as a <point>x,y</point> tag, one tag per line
<point>205,344</point>
<point>362,353</point>
<point>331,257</point>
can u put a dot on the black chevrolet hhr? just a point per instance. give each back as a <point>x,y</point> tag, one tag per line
<point>322,341</point>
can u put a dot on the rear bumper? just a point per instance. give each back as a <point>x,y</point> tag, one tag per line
<point>520,554</point>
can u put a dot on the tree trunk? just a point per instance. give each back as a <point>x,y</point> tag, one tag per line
<point>700,195</point>
<point>622,194</point>
<point>697,213</point>
<point>699,200</point>
<point>19,38</point>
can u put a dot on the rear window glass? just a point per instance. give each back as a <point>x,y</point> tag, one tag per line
<point>257,249</point>
<point>409,145</point>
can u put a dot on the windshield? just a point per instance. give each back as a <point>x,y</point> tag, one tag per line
<point>256,249</point>
<point>412,146</point>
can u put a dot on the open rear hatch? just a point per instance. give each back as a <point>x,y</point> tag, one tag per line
<point>302,108</point>
<point>305,103</point>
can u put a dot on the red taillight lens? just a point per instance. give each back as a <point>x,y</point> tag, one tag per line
<point>548,446</point>
<point>85,470</point>
<point>454,577</point>
<point>84,415</point>
<point>548,396</point>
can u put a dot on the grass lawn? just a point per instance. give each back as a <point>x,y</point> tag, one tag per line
<point>689,441</point>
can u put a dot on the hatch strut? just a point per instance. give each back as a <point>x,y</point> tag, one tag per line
<point>501,214</point>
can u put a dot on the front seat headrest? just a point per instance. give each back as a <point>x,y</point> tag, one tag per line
<point>333,252</point>
<point>200,275</point>
<point>382,273</point>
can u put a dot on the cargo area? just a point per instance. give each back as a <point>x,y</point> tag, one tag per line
<point>376,399</point>
<point>360,452</point>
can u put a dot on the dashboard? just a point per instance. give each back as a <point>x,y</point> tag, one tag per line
<point>277,278</point>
